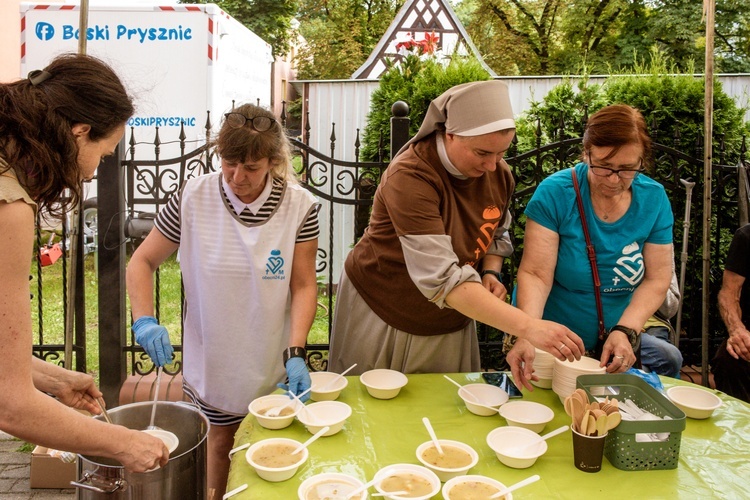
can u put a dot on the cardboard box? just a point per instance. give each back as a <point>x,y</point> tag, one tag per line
<point>51,472</point>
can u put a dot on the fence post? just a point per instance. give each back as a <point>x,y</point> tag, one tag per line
<point>111,255</point>
<point>399,126</point>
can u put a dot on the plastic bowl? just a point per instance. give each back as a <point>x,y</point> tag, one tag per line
<point>542,383</point>
<point>275,474</point>
<point>330,484</point>
<point>527,414</point>
<point>495,485</point>
<point>315,416</point>
<point>485,394</point>
<point>446,473</point>
<point>696,403</point>
<point>170,440</point>
<point>417,470</point>
<point>322,380</point>
<point>506,442</point>
<point>382,383</point>
<point>265,403</point>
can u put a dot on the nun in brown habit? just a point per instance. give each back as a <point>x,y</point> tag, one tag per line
<point>429,262</point>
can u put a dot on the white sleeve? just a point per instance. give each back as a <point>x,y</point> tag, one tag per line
<point>501,244</point>
<point>433,266</point>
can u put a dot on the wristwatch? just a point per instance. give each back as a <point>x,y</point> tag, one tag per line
<point>496,274</point>
<point>632,334</point>
<point>293,352</point>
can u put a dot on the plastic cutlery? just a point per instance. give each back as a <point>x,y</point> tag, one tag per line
<point>431,431</point>
<point>390,494</point>
<point>232,493</point>
<point>364,487</point>
<point>274,412</point>
<point>313,438</point>
<point>550,434</point>
<point>473,398</point>
<point>336,379</point>
<point>517,485</point>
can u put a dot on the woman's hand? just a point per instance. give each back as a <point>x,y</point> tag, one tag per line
<point>555,339</point>
<point>617,346</point>
<point>143,452</point>
<point>495,286</point>
<point>521,361</point>
<point>79,391</point>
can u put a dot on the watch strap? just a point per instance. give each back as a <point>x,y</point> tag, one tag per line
<point>293,352</point>
<point>496,274</point>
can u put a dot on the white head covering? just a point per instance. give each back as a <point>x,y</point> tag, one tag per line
<point>469,109</point>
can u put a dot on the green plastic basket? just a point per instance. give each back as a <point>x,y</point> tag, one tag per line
<point>621,447</point>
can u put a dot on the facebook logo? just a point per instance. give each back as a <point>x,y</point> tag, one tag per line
<point>44,31</point>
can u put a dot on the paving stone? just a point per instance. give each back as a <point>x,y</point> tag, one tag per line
<point>15,472</point>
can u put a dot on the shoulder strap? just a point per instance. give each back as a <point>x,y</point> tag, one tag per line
<point>592,257</point>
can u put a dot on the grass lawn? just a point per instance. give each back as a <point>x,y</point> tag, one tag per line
<point>169,285</point>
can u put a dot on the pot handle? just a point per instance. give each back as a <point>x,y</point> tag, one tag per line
<point>88,476</point>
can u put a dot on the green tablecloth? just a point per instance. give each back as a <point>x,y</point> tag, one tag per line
<point>714,453</point>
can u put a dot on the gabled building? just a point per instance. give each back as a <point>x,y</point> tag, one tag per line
<point>417,20</point>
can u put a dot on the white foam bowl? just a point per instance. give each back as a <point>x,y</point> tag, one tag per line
<point>484,394</point>
<point>473,479</point>
<point>527,414</point>
<point>696,403</point>
<point>542,383</point>
<point>264,403</point>
<point>170,440</point>
<point>505,442</point>
<point>446,473</point>
<point>382,383</point>
<point>418,470</point>
<point>565,373</point>
<point>322,380</point>
<point>333,414</point>
<point>330,484</point>
<point>275,474</point>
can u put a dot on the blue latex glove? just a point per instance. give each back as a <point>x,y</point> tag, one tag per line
<point>299,378</point>
<point>154,339</point>
<point>651,379</point>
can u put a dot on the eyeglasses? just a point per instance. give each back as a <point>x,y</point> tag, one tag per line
<point>622,173</point>
<point>259,123</point>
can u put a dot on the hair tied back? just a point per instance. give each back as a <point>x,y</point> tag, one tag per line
<point>38,76</point>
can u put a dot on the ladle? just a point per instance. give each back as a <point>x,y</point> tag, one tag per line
<point>336,378</point>
<point>431,431</point>
<point>274,412</point>
<point>104,410</point>
<point>309,441</point>
<point>515,486</point>
<point>151,426</point>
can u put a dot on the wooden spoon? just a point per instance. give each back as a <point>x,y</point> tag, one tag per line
<point>578,412</point>
<point>601,424</point>
<point>592,425</point>
<point>613,419</point>
<point>583,425</point>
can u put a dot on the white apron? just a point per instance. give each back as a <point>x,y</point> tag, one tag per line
<point>237,296</point>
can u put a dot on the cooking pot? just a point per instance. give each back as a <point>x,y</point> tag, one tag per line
<point>184,476</point>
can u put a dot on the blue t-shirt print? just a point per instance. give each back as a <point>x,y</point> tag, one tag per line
<point>628,271</point>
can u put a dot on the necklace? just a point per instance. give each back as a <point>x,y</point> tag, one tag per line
<point>611,209</point>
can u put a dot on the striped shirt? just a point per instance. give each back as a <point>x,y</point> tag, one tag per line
<point>168,218</point>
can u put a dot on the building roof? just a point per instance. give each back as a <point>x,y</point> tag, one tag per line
<point>415,20</point>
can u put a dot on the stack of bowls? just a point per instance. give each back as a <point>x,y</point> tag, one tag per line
<point>565,373</point>
<point>544,363</point>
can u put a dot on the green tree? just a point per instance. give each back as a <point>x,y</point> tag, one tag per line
<point>340,35</point>
<point>269,19</point>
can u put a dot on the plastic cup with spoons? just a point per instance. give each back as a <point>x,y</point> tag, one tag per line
<point>516,486</point>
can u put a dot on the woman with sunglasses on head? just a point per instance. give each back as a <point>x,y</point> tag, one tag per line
<point>629,220</point>
<point>248,238</point>
<point>55,128</point>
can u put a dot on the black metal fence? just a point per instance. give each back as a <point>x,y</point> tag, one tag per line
<point>131,190</point>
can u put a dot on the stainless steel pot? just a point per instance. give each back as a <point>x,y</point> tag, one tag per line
<point>184,476</point>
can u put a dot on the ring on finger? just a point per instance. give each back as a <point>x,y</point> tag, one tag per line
<point>620,357</point>
<point>562,346</point>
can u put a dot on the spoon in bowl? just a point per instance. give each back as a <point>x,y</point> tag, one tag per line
<point>336,378</point>
<point>515,486</point>
<point>309,441</point>
<point>550,434</point>
<point>390,494</point>
<point>431,431</point>
<point>364,487</point>
<point>275,411</point>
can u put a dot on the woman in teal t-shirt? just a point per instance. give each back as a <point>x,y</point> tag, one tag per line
<point>630,223</point>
